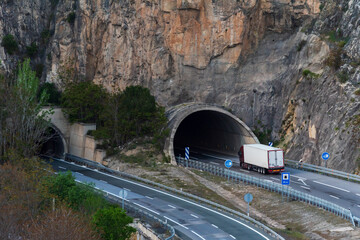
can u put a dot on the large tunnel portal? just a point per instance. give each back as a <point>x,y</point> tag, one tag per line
<point>54,144</point>
<point>208,128</point>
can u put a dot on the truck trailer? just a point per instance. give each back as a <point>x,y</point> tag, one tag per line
<point>261,158</point>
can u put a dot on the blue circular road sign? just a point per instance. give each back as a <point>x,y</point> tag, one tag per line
<point>228,163</point>
<point>325,156</point>
<point>248,197</point>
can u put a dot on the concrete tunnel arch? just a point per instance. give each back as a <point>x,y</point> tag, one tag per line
<point>56,145</point>
<point>207,127</point>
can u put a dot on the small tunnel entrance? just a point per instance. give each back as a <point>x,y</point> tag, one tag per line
<point>206,128</point>
<point>53,145</point>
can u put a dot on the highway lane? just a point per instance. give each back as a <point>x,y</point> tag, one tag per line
<point>338,191</point>
<point>188,218</point>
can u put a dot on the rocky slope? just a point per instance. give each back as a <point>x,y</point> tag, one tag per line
<point>248,55</point>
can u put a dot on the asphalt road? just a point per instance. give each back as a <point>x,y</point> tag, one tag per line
<point>338,191</point>
<point>190,219</point>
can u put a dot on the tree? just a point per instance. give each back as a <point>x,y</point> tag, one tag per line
<point>84,102</point>
<point>133,113</point>
<point>112,223</point>
<point>52,91</point>
<point>61,224</point>
<point>9,43</point>
<point>23,122</point>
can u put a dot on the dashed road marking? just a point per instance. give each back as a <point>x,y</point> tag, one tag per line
<point>331,186</point>
<point>305,187</point>
<point>232,236</point>
<point>334,196</point>
<point>149,197</point>
<point>214,226</point>
<point>171,206</point>
<point>147,208</point>
<point>103,181</point>
<point>198,235</point>
<point>176,222</point>
<point>62,167</point>
<point>127,189</point>
<point>80,173</point>
<point>358,194</point>
<point>194,216</point>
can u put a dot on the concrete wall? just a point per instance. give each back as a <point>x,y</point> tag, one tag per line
<point>77,145</point>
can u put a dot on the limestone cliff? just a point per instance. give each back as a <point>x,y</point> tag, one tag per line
<point>248,55</point>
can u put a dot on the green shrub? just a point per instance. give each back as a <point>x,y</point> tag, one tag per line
<point>9,43</point>
<point>357,92</point>
<point>309,74</point>
<point>301,45</point>
<point>52,91</point>
<point>334,60</point>
<point>32,49</point>
<point>71,18</point>
<point>45,35</point>
<point>343,76</point>
<point>112,223</point>
<point>39,69</point>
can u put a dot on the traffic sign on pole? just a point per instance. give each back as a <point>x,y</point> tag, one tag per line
<point>325,156</point>
<point>248,198</point>
<point>187,153</point>
<point>270,144</point>
<point>285,178</point>
<point>228,163</point>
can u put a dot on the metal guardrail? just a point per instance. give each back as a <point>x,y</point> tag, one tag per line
<point>323,170</point>
<point>217,206</point>
<point>271,186</point>
<point>136,211</point>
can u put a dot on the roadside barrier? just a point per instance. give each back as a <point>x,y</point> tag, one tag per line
<point>235,214</point>
<point>322,170</point>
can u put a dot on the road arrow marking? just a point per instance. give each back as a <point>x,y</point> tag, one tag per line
<point>301,180</point>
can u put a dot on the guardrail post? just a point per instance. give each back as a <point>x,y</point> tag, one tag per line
<point>352,218</point>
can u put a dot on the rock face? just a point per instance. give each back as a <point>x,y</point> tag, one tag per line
<point>248,55</point>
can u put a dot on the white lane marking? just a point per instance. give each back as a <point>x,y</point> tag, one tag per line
<point>187,201</point>
<point>62,167</point>
<point>80,173</point>
<point>147,208</point>
<point>176,222</point>
<point>198,235</point>
<point>127,189</point>
<point>103,181</point>
<point>275,178</point>
<point>215,163</point>
<point>331,186</point>
<point>358,194</point>
<point>194,216</point>
<point>214,156</point>
<point>301,180</point>
<point>232,236</point>
<point>171,206</point>
<point>358,205</point>
<point>334,196</point>
<point>305,187</point>
<point>214,226</point>
<point>292,175</point>
<point>149,197</point>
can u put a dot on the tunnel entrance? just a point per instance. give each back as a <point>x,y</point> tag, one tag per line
<point>206,128</point>
<point>53,145</point>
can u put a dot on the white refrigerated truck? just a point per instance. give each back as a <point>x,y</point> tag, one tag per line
<point>261,158</point>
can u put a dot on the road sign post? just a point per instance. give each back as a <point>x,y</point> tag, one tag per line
<point>123,194</point>
<point>285,180</point>
<point>248,198</point>
<point>228,164</point>
<point>187,155</point>
<point>325,156</point>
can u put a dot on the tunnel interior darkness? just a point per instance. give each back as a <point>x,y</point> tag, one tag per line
<point>211,130</point>
<point>53,146</point>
